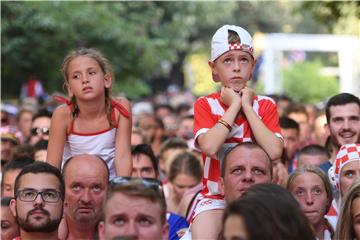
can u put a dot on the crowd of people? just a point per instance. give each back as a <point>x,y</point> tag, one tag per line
<point>229,165</point>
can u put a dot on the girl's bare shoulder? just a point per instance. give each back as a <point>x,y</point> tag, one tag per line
<point>62,112</point>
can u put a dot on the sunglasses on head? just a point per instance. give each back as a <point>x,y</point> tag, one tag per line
<point>37,131</point>
<point>146,182</point>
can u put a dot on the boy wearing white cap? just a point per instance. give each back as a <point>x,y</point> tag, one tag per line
<point>223,119</point>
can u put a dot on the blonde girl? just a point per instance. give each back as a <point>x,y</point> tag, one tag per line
<point>348,226</point>
<point>91,122</point>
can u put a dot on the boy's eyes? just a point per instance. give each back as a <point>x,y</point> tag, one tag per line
<point>227,60</point>
<point>244,60</point>
<point>241,60</point>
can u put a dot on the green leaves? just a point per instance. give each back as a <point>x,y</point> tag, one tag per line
<point>139,38</point>
<point>305,83</point>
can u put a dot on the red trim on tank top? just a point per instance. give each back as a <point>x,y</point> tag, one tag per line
<point>90,134</point>
<point>113,118</point>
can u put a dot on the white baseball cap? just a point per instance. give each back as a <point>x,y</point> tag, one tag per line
<point>220,43</point>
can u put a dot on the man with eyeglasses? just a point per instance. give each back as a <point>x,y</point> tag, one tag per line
<point>40,127</point>
<point>38,204</point>
<point>135,208</point>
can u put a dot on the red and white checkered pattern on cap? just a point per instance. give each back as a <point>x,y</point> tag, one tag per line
<point>220,43</point>
<point>347,153</point>
<point>239,46</point>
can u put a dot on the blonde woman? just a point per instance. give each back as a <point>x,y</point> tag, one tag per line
<point>349,219</point>
<point>312,189</point>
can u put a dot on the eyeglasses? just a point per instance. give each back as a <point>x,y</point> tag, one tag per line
<point>151,183</point>
<point>29,195</point>
<point>37,131</point>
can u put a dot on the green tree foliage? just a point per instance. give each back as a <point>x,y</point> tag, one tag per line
<point>136,36</point>
<point>340,17</point>
<point>305,84</point>
<point>139,38</point>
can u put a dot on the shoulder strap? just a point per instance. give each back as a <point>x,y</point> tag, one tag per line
<point>62,99</point>
<point>120,108</point>
<point>191,203</point>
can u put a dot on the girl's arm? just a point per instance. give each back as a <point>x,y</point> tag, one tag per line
<point>58,128</point>
<point>272,144</point>
<point>214,138</point>
<point>123,161</point>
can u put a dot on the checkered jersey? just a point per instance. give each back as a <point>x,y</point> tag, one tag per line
<point>207,111</point>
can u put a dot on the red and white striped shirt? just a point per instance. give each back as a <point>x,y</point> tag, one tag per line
<point>207,111</point>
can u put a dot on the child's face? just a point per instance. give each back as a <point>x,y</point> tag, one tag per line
<point>85,78</point>
<point>233,69</point>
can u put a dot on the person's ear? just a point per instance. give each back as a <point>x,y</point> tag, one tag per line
<point>211,65</point>
<point>165,231</point>
<point>101,230</point>
<point>221,185</point>
<point>13,206</point>
<point>327,129</point>
<point>107,80</point>
<point>215,75</point>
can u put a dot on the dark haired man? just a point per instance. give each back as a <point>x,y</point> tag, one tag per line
<point>38,203</point>
<point>134,209</point>
<point>40,126</point>
<point>290,130</point>
<point>343,120</point>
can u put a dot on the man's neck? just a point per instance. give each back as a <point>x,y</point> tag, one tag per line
<point>80,230</point>
<point>38,235</point>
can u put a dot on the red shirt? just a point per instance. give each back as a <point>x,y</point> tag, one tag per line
<point>207,111</point>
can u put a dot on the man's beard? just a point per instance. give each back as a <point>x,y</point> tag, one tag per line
<point>85,218</point>
<point>337,144</point>
<point>50,225</point>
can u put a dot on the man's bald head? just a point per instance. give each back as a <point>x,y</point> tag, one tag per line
<point>83,161</point>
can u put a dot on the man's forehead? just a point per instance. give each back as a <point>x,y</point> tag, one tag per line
<point>143,158</point>
<point>41,120</point>
<point>39,180</point>
<point>120,201</point>
<point>349,109</point>
<point>246,161</point>
<point>244,155</point>
<point>246,150</point>
<point>86,180</point>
